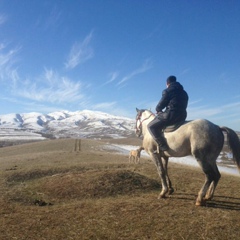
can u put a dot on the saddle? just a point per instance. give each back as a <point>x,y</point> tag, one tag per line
<point>172,128</point>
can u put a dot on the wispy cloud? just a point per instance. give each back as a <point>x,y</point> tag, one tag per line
<point>3,19</point>
<point>194,102</point>
<point>111,108</point>
<point>225,112</point>
<point>154,31</point>
<point>184,72</point>
<point>53,18</point>
<point>80,52</point>
<point>146,66</point>
<point>104,105</point>
<point>232,106</point>
<point>31,105</point>
<point>113,76</point>
<point>8,58</point>
<point>196,110</point>
<point>203,112</point>
<point>50,88</point>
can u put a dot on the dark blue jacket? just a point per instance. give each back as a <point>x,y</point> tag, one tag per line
<point>174,100</point>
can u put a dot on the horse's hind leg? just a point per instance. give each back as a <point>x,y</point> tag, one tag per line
<point>210,176</point>
<point>213,185</point>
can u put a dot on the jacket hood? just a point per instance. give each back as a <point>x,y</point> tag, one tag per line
<point>176,85</point>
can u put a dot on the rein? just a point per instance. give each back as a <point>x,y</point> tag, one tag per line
<point>139,129</point>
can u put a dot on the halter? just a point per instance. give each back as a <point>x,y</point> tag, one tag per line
<point>138,129</point>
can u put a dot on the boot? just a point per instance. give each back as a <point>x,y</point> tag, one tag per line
<point>162,144</point>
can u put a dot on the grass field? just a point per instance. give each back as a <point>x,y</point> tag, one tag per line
<point>49,191</point>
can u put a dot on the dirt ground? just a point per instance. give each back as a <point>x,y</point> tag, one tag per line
<point>50,191</point>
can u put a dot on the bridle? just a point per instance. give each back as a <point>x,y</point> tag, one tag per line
<point>138,129</point>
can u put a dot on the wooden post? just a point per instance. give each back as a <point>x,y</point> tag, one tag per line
<point>77,146</point>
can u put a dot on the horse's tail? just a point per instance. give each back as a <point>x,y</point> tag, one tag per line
<point>234,144</point>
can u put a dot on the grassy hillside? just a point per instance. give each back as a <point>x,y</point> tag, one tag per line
<point>49,191</point>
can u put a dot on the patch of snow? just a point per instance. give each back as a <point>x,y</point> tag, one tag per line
<point>188,160</point>
<point>69,124</point>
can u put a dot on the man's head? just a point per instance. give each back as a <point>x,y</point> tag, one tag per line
<point>171,79</point>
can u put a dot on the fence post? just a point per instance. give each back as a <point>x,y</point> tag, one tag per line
<point>77,146</point>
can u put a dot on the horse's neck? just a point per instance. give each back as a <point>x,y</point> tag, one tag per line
<point>147,117</point>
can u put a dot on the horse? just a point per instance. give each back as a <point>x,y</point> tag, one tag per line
<point>134,155</point>
<point>200,138</point>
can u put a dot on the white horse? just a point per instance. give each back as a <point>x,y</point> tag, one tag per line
<point>199,138</point>
<point>134,155</point>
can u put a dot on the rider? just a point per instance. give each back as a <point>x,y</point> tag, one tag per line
<point>174,100</point>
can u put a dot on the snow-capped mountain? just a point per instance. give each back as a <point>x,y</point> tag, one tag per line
<point>80,124</point>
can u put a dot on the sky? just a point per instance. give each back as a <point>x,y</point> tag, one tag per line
<point>115,55</point>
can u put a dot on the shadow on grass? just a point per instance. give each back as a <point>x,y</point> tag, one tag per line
<point>229,203</point>
<point>220,202</point>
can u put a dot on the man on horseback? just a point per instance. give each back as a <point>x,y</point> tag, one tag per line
<point>174,100</point>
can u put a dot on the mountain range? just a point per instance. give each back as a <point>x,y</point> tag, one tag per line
<point>64,124</point>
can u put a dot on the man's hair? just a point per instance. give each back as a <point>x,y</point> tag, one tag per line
<point>171,79</point>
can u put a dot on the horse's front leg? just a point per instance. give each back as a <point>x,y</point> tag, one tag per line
<point>161,171</point>
<point>169,183</point>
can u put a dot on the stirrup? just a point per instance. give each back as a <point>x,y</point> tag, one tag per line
<point>162,148</point>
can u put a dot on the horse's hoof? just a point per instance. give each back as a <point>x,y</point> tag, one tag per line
<point>161,196</point>
<point>208,198</point>
<point>170,191</point>
<point>200,203</point>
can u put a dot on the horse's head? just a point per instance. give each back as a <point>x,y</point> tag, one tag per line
<point>142,115</point>
<point>138,127</point>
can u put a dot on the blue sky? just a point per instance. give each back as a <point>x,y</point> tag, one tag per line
<point>114,56</point>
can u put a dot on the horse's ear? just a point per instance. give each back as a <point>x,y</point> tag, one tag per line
<point>137,109</point>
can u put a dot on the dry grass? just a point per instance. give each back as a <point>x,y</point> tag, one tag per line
<point>93,194</point>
